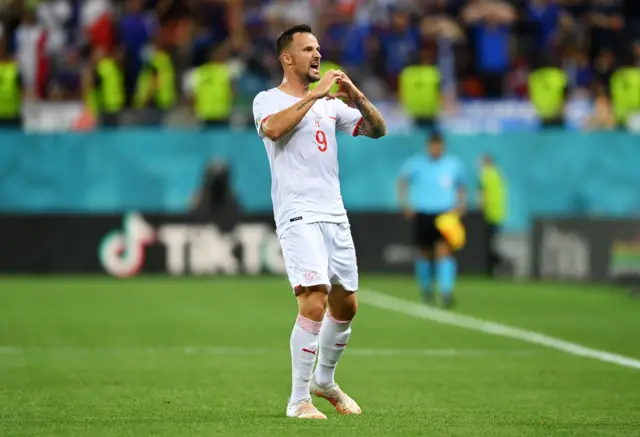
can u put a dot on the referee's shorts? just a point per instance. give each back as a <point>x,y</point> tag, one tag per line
<point>428,229</point>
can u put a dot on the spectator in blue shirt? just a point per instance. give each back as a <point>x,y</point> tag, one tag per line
<point>134,33</point>
<point>490,23</point>
<point>399,44</point>
<point>545,15</point>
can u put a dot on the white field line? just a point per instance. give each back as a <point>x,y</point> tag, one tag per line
<point>229,351</point>
<point>387,302</point>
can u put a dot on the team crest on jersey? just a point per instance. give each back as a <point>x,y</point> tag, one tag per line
<point>311,276</point>
<point>318,117</point>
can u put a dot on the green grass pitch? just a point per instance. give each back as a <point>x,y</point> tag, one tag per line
<point>156,356</point>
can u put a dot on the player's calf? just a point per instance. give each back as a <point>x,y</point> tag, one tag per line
<point>335,333</point>
<point>423,269</point>
<point>304,347</point>
<point>446,273</point>
<point>334,336</point>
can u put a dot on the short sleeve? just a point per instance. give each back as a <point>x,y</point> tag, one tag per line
<point>263,107</point>
<point>408,169</point>
<point>347,119</point>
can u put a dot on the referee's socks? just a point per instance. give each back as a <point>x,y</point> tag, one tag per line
<point>447,272</point>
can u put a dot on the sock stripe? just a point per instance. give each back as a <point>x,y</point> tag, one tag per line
<point>308,325</point>
<point>336,321</point>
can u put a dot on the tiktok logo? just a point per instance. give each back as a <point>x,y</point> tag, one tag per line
<point>122,252</point>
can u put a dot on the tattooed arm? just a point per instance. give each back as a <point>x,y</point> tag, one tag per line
<point>373,125</point>
<point>281,123</point>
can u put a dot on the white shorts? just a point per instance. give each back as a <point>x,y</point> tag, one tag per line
<point>320,253</point>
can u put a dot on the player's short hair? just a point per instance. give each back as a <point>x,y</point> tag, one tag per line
<point>285,38</point>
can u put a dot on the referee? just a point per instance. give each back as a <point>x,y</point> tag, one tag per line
<point>432,184</point>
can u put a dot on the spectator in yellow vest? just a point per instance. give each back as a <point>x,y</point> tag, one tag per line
<point>625,92</point>
<point>156,90</point>
<point>494,209</point>
<point>211,89</point>
<point>103,87</point>
<point>547,92</point>
<point>419,89</point>
<point>10,91</point>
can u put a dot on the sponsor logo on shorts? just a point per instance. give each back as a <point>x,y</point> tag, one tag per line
<point>295,219</point>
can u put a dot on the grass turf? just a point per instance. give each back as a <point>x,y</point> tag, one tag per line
<point>178,357</point>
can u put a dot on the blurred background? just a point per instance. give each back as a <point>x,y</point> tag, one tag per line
<point>483,50</point>
<point>115,107</point>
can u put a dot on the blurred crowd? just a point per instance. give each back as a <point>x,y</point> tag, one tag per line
<point>482,48</point>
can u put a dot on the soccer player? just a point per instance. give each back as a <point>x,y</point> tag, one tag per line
<point>298,128</point>
<point>431,185</point>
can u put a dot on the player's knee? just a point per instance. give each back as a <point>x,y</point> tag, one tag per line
<point>350,309</point>
<point>442,250</point>
<point>344,305</point>
<point>423,252</point>
<point>314,309</point>
<point>313,302</point>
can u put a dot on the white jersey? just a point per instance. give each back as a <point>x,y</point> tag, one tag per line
<point>305,187</point>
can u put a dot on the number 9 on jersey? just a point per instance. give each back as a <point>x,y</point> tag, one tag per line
<point>321,139</point>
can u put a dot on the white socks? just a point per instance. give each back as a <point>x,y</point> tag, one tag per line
<point>304,348</point>
<point>334,336</point>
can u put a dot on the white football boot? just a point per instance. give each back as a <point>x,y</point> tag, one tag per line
<point>304,409</point>
<point>334,394</point>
